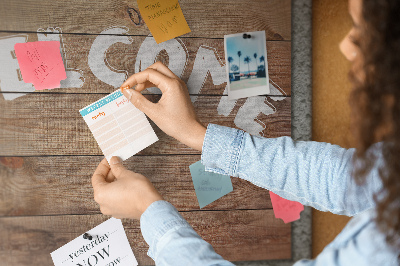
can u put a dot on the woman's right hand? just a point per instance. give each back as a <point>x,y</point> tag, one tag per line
<point>174,112</point>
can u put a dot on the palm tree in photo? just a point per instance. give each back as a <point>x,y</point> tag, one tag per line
<point>247,60</point>
<point>255,58</point>
<point>230,59</point>
<point>262,59</point>
<point>239,54</point>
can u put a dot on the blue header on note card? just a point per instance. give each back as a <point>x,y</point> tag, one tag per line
<point>101,102</point>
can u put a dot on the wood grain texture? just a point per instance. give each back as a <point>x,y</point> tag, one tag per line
<point>48,154</point>
<point>122,58</point>
<point>50,124</point>
<point>207,19</point>
<point>236,235</point>
<point>62,185</point>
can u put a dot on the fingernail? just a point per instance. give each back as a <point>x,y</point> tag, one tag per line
<point>129,92</point>
<point>115,160</point>
<point>124,88</point>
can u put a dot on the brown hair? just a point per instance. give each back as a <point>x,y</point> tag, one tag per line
<point>376,106</point>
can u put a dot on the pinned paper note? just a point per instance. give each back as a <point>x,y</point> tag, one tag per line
<point>284,209</point>
<point>108,246</point>
<point>209,186</point>
<point>118,126</point>
<point>41,64</point>
<point>164,18</point>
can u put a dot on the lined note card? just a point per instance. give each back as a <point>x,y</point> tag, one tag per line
<point>41,63</point>
<point>164,18</point>
<point>209,186</point>
<point>118,126</point>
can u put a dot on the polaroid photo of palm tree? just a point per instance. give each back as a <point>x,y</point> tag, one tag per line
<point>246,64</point>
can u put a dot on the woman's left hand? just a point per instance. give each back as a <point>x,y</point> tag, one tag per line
<point>122,193</point>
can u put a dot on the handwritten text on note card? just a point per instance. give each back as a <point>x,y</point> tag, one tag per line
<point>209,186</point>
<point>41,63</point>
<point>164,18</point>
<point>284,209</point>
<point>108,246</point>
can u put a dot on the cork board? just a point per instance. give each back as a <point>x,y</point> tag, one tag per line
<point>331,90</point>
<point>47,154</point>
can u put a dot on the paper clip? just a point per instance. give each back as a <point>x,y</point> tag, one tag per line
<point>132,16</point>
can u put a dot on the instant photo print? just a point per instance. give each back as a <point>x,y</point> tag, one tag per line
<point>246,64</point>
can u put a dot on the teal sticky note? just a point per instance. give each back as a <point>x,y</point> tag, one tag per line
<point>209,186</point>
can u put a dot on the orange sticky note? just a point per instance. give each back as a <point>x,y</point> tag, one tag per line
<point>41,63</point>
<point>164,18</point>
<point>284,209</point>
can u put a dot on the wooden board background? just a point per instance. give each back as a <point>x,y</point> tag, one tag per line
<point>47,153</point>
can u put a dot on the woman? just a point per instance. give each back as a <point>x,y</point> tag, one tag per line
<point>360,182</point>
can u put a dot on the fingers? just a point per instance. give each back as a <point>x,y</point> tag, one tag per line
<point>116,166</point>
<point>160,67</point>
<point>100,174</point>
<point>159,80</point>
<point>110,177</point>
<point>140,102</point>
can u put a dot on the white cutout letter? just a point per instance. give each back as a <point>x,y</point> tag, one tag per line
<point>97,56</point>
<point>9,68</point>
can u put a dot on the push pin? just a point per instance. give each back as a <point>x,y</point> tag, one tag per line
<point>87,236</point>
<point>246,36</point>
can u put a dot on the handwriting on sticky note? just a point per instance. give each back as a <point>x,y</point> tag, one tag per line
<point>41,63</point>
<point>284,209</point>
<point>164,18</point>
<point>108,246</point>
<point>209,186</point>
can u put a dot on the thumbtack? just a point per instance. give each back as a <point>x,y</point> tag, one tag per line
<point>124,88</point>
<point>87,236</point>
<point>246,36</point>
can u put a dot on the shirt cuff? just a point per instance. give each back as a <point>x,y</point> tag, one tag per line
<point>158,219</point>
<point>222,147</point>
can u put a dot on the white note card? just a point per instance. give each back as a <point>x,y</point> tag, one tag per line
<point>109,247</point>
<point>118,126</point>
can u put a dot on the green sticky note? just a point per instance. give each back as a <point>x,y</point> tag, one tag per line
<point>209,186</point>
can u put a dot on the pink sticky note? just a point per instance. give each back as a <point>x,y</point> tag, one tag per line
<point>41,64</point>
<point>284,209</point>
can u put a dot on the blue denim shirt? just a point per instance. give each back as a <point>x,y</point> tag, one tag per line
<point>312,173</point>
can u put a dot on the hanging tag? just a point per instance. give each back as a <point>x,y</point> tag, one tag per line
<point>106,244</point>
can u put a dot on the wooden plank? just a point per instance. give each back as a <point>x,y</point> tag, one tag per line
<point>34,185</point>
<point>206,19</point>
<point>236,235</point>
<point>100,64</point>
<point>50,124</point>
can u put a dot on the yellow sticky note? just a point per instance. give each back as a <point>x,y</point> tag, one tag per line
<point>164,18</point>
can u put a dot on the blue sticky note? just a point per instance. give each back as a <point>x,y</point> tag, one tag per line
<point>209,186</point>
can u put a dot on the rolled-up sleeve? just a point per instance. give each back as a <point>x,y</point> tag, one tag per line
<point>172,241</point>
<point>313,173</point>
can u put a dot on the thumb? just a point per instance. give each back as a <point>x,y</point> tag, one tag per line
<point>139,101</point>
<point>116,166</point>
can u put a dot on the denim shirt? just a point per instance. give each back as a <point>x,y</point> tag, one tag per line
<point>312,173</point>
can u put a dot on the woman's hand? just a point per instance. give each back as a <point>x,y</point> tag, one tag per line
<point>122,193</point>
<point>174,113</point>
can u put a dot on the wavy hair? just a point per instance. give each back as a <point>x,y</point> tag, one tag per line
<point>375,103</point>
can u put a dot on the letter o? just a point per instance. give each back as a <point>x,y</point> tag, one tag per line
<point>88,260</point>
<point>149,50</point>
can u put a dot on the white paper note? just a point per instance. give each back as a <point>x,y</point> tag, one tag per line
<point>108,247</point>
<point>118,126</point>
